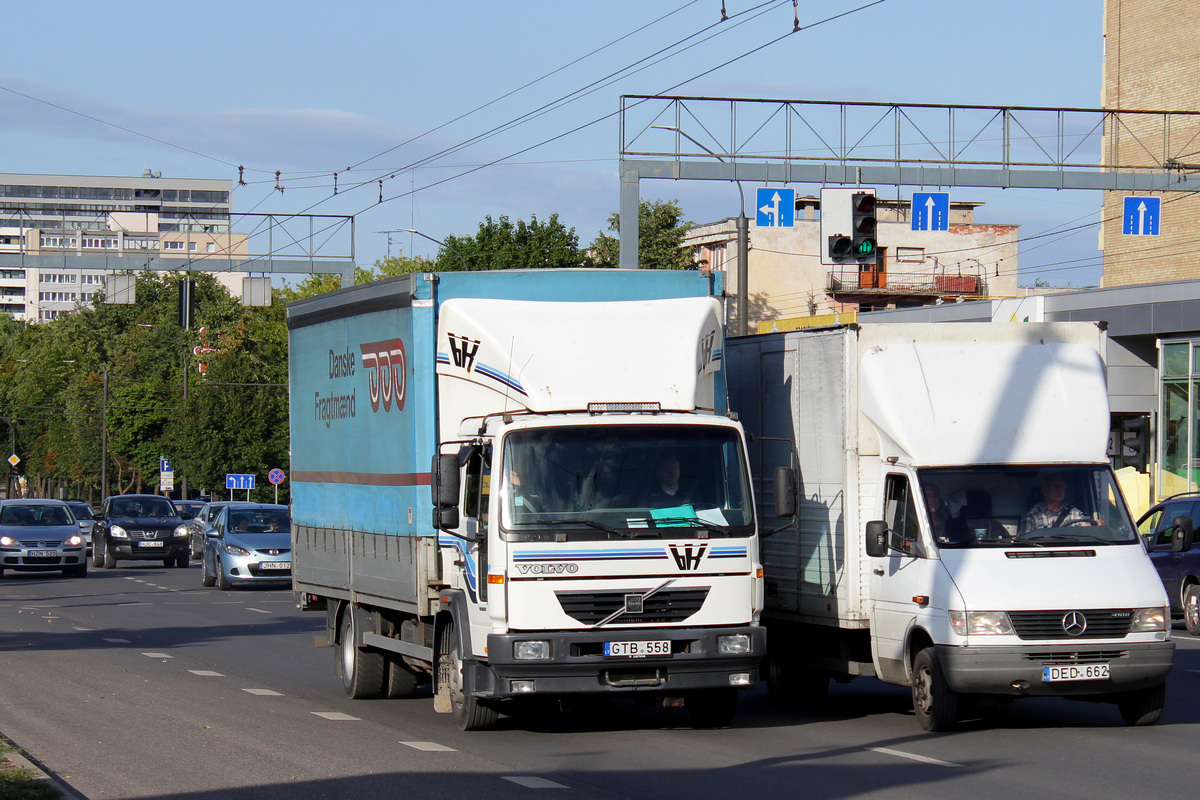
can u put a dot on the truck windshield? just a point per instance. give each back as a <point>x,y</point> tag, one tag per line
<point>1025,506</point>
<point>624,481</point>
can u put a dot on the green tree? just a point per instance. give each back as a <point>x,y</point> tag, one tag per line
<point>388,267</point>
<point>499,244</point>
<point>661,228</point>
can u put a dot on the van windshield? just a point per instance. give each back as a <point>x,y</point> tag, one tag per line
<point>624,481</point>
<point>1025,506</point>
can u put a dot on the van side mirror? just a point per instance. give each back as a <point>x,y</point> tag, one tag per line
<point>445,480</point>
<point>785,492</point>
<point>1183,534</point>
<point>877,538</point>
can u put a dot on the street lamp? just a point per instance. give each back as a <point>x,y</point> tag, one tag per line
<point>743,240</point>
<point>435,241</point>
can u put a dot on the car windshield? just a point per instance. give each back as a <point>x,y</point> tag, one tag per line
<point>35,515</point>
<point>607,481</point>
<point>1025,506</point>
<point>254,520</point>
<point>142,507</point>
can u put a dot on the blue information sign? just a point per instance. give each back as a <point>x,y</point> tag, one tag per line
<point>931,211</point>
<point>233,481</point>
<point>776,208</point>
<point>1141,216</point>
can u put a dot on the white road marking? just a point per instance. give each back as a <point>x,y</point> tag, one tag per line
<point>206,673</point>
<point>123,605</point>
<point>429,747</point>
<point>914,757</point>
<point>259,610</point>
<point>118,641</point>
<point>531,782</point>
<point>337,716</point>
<point>157,655</point>
<point>79,628</point>
<point>262,692</point>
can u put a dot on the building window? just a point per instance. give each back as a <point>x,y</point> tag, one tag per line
<point>210,247</point>
<point>916,254</point>
<point>172,245</point>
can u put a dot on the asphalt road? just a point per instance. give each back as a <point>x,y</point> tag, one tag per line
<point>138,683</point>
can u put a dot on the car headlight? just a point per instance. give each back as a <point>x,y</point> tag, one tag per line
<point>181,532</point>
<point>234,550</point>
<point>117,532</point>
<point>980,623</point>
<point>1150,619</point>
<point>7,541</point>
<point>75,540</point>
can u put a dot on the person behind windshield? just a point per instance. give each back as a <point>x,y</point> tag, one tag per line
<point>939,515</point>
<point>668,492</point>
<point>1054,511</point>
<point>523,501</point>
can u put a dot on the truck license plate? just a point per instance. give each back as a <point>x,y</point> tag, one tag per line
<point>660,647</point>
<point>1075,672</point>
<point>150,544</point>
<point>43,554</point>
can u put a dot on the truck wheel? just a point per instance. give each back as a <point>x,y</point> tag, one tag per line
<point>934,702</point>
<point>401,680</point>
<point>110,560</point>
<point>469,713</point>
<point>1144,706</point>
<point>1191,609</point>
<point>795,687</point>
<point>362,671</point>
<point>713,708</point>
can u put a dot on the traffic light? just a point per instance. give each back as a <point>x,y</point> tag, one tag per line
<point>841,248</point>
<point>1136,440</point>
<point>862,223</point>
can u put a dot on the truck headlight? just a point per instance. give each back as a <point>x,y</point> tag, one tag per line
<point>117,532</point>
<point>538,650</point>
<point>980,623</point>
<point>733,644</point>
<point>1150,619</point>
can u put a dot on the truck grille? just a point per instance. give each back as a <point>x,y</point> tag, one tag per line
<point>669,605</point>
<point>1100,623</point>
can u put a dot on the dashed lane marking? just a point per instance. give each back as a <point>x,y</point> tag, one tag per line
<point>206,673</point>
<point>262,692</point>
<point>158,655</point>
<point>336,716</point>
<point>259,610</point>
<point>914,757</point>
<point>429,747</point>
<point>533,782</point>
<point>81,628</point>
<point>118,641</point>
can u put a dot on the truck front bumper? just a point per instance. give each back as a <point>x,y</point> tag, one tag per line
<point>1018,671</point>
<point>577,664</point>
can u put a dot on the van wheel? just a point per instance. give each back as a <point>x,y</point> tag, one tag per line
<point>1144,706</point>
<point>469,713</point>
<point>362,671</point>
<point>935,703</point>
<point>1191,609</point>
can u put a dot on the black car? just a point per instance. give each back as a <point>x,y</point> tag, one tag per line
<point>1176,554</point>
<point>140,526</point>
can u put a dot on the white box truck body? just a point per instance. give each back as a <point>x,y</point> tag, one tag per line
<point>957,525</point>
<point>522,485</point>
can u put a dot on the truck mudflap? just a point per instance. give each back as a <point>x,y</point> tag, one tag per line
<point>612,661</point>
<point>1056,671</point>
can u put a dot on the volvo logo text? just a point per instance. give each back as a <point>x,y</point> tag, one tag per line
<point>1074,623</point>
<point>546,569</point>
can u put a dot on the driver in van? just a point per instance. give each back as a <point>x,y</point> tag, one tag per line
<point>1054,511</point>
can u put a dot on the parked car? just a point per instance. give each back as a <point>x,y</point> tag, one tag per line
<point>200,524</point>
<point>1176,554</point>
<point>192,507</point>
<point>41,535</point>
<point>248,543</point>
<point>141,527</point>
<point>83,515</point>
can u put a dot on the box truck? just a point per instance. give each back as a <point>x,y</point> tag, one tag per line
<point>523,485</point>
<point>955,526</point>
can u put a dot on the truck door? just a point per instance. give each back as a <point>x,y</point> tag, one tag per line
<point>477,488</point>
<point>896,579</point>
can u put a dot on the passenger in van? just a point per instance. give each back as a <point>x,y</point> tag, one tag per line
<point>939,514</point>
<point>1054,511</point>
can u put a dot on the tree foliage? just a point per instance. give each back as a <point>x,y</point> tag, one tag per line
<point>661,228</point>
<point>499,244</point>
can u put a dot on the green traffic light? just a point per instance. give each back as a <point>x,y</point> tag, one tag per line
<point>864,247</point>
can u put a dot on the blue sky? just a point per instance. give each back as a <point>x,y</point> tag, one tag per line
<point>414,93</point>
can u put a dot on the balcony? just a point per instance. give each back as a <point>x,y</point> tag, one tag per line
<point>917,285</point>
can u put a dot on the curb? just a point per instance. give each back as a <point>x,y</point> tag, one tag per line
<point>21,760</point>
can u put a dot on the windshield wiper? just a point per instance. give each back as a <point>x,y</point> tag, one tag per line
<point>664,523</point>
<point>591,523</point>
<point>1066,538</point>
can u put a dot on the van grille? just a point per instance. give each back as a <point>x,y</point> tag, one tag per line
<point>669,605</point>
<point>1101,623</point>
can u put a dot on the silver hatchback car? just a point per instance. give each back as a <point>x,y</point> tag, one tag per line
<point>39,536</point>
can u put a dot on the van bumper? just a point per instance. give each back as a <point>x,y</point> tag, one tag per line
<point>1018,671</point>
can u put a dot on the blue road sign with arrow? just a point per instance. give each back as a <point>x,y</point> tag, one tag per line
<point>1141,216</point>
<point>776,208</point>
<point>931,211</point>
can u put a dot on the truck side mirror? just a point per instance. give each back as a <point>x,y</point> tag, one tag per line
<point>445,480</point>
<point>877,538</point>
<point>445,518</point>
<point>1183,534</point>
<point>785,492</point>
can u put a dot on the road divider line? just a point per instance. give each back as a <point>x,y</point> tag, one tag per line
<point>429,747</point>
<point>206,673</point>
<point>259,610</point>
<point>158,655</point>
<point>337,716</point>
<point>263,692</point>
<point>887,751</point>
<point>119,641</point>
<point>533,782</point>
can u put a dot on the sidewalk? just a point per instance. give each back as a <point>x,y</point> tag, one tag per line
<point>18,758</point>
